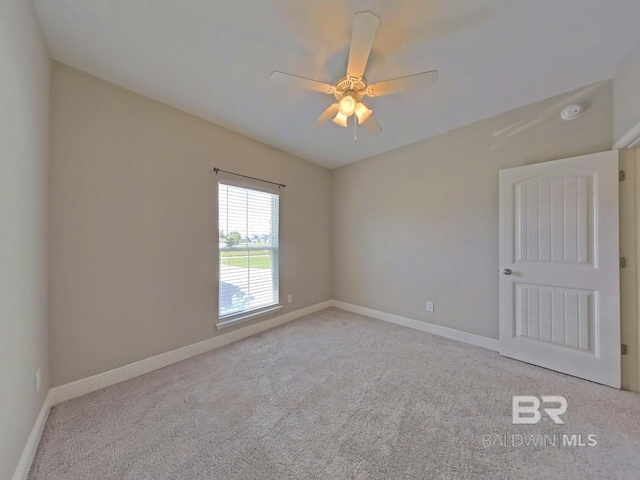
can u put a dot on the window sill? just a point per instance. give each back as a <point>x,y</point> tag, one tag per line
<point>241,318</point>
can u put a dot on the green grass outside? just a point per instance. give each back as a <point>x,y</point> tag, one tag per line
<point>240,252</point>
<point>254,261</point>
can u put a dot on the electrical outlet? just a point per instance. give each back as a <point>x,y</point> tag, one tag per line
<point>290,298</point>
<point>430,307</point>
<point>38,381</point>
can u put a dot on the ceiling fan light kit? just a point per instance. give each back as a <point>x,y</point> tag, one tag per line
<point>363,113</point>
<point>347,105</point>
<point>350,90</point>
<point>340,119</point>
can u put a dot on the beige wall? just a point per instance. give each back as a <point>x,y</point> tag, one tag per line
<point>626,95</point>
<point>408,226</point>
<point>421,223</point>
<point>24,101</point>
<point>133,227</point>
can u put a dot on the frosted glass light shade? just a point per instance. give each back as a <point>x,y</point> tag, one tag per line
<point>347,105</point>
<point>363,113</point>
<point>340,120</point>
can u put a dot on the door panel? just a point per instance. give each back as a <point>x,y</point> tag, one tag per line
<point>556,315</point>
<point>552,219</point>
<point>559,302</point>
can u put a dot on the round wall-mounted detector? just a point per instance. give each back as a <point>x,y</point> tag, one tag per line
<point>571,112</point>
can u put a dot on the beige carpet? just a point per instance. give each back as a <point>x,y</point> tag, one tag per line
<point>338,396</point>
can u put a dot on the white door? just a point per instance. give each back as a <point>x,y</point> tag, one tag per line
<point>559,266</point>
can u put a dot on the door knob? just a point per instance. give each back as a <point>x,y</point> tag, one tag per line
<point>507,271</point>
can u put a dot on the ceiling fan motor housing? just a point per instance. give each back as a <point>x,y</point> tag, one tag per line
<point>354,86</point>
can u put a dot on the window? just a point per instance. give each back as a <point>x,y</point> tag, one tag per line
<point>248,246</point>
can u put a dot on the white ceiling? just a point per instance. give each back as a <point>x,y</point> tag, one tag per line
<point>213,58</point>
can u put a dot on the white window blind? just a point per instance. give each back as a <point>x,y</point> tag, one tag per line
<point>248,221</point>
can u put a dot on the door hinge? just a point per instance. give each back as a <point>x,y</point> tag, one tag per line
<point>624,349</point>
<point>623,262</point>
<point>623,175</point>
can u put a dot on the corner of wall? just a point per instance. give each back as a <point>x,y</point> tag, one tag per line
<point>25,97</point>
<point>635,386</point>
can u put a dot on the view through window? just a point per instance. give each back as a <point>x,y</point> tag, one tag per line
<point>248,235</point>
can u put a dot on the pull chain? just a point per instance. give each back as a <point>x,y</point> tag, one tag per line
<point>355,130</point>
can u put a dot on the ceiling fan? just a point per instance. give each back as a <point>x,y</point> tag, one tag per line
<point>350,90</point>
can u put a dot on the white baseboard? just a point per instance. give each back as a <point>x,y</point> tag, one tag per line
<point>470,338</point>
<point>96,382</point>
<point>83,386</point>
<point>31,447</point>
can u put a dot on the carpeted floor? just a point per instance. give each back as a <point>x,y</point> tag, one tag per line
<point>335,395</point>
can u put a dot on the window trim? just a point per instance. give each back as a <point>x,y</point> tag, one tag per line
<point>230,320</point>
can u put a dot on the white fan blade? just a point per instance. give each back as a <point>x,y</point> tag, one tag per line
<point>365,25</point>
<point>302,82</point>
<point>372,126</point>
<point>327,115</point>
<point>403,84</point>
